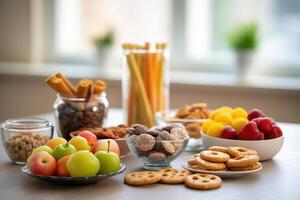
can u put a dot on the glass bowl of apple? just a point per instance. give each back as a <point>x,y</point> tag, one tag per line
<point>236,127</point>
<point>158,146</point>
<point>81,160</point>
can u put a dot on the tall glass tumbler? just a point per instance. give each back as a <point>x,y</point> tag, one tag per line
<point>145,82</point>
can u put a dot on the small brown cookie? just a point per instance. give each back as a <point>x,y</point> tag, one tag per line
<point>210,165</point>
<point>164,135</point>
<point>142,178</point>
<point>180,133</point>
<point>145,142</point>
<point>214,156</point>
<point>242,161</point>
<point>173,176</point>
<point>203,181</point>
<point>238,151</point>
<point>133,139</point>
<point>168,146</point>
<point>157,156</point>
<point>140,129</point>
<point>219,148</point>
<point>248,168</point>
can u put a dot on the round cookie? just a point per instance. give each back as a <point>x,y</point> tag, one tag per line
<point>157,156</point>
<point>214,156</point>
<point>238,151</point>
<point>168,146</point>
<point>210,165</point>
<point>203,181</point>
<point>219,148</point>
<point>145,142</point>
<point>242,161</point>
<point>140,129</point>
<point>248,168</point>
<point>173,176</point>
<point>142,178</point>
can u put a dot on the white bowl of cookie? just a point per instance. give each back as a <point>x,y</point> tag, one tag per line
<point>266,149</point>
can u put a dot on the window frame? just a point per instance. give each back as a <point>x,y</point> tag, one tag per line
<point>179,60</point>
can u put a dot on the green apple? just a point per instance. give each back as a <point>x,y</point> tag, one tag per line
<point>80,143</point>
<point>42,148</point>
<point>110,161</point>
<point>83,164</point>
<point>62,150</point>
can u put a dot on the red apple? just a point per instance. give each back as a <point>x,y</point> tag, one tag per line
<point>42,163</point>
<point>249,131</point>
<point>255,113</point>
<point>102,145</point>
<point>264,124</point>
<point>229,133</point>
<point>276,132</point>
<point>61,166</point>
<point>89,136</point>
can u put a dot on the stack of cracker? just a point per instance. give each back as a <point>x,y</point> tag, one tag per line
<point>218,158</point>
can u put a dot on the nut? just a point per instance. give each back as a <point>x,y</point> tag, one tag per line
<point>19,145</point>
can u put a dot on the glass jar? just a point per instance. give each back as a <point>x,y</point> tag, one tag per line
<point>73,114</point>
<point>21,135</point>
<point>145,85</point>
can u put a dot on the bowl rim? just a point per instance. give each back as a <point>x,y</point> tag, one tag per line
<point>187,138</point>
<point>230,140</point>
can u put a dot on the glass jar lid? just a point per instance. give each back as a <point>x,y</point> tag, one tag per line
<point>26,123</point>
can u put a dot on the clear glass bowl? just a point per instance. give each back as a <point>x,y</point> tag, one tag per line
<point>164,118</point>
<point>21,135</point>
<point>157,162</point>
<point>72,114</point>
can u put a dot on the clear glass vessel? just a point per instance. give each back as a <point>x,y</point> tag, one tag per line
<point>73,114</point>
<point>21,135</point>
<point>145,84</point>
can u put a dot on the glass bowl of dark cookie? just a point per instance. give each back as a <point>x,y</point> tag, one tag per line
<point>158,146</point>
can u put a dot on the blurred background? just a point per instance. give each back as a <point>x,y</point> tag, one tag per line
<point>234,52</point>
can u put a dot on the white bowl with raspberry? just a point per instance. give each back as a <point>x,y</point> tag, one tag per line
<point>258,132</point>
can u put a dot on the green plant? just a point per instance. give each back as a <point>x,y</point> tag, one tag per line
<point>105,40</point>
<point>244,37</point>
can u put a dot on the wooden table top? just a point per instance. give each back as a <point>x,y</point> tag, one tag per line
<point>278,179</point>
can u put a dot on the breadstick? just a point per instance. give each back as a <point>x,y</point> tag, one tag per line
<point>67,82</point>
<point>99,87</point>
<point>83,88</point>
<point>58,85</point>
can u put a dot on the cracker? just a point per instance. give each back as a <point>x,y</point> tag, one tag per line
<point>203,181</point>
<point>142,178</point>
<point>238,151</point>
<point>242,161</point>
<point>214,156</point>
<point>210,165</point>
<point>219,148</point>
<point>248,168</point>
<point>173,176</point>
